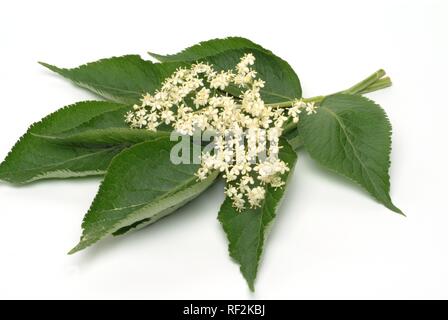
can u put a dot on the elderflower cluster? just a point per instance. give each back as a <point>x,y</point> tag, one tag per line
<point>247,131</point>
<point>296,109</point>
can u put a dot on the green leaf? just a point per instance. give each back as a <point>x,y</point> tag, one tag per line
<point>282,83</point>
<point>141,186</point>
<point>106,129</point>
<point>126,79</point>
<point>294,138</point>
<point>209,48</point>
<point>121,79</point>
<point>35,157</point>
<point>247,230</point>
<point>104,137</point>
<point>351,135</point>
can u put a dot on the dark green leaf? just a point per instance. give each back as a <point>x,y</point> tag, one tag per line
<point>104,137</point>
<point>36,157</point>
<point>106,129</point>
<point>125,79</point>
<point>352,136</point>
<point>141,186</point>
<point>121,79</point>
<point>294,138</point>
<point>247,230</point>
<point>209,48</point>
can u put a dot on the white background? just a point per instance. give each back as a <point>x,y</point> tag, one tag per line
<point>331,240</point>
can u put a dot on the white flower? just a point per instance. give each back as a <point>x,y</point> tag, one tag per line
<point>201,98</point>
<point>248,131</point>
<point>152,117</point>
<point>202,68</point>
<point>147,100</point>
<point>311,108</point>
<point>239,202</point>
<point>246,61</point>
<point>294,112</point>
<point>231,191</point>
<point>274,134</point>
<point>167,116</point>
<point>152,126</point>
<point>202,173</point>
<point>141,123</point>
<point>221,80</point>
<point>255,196</point>
<point>245,182</point>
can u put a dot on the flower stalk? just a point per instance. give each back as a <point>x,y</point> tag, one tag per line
<point>376,81</point>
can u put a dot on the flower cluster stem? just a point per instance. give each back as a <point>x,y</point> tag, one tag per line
<point>367,82</point>
<point>376,81</point>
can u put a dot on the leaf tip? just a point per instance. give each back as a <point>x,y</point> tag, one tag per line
<point>43,64</point>
<point>156,56</point>
<point>250,280</point>
<point>73,251</point>
<point>395,209</point>
<point>80,246</point>
<point>251,286</point>
<point>49,66</point>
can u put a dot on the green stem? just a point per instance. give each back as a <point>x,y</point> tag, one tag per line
<point>374,82</point>
<point>367,82</point>
<point>380,84</point>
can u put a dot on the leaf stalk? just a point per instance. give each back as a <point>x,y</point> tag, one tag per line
<point>376,81</point>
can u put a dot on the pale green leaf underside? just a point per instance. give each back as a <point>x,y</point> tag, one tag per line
<point>34,157</point>
<point>209,48</point>
<point>141,186</point>
<point>247,230</point>
<point>106,129</point>
<point>351,135</point>
<point>105,137</point>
